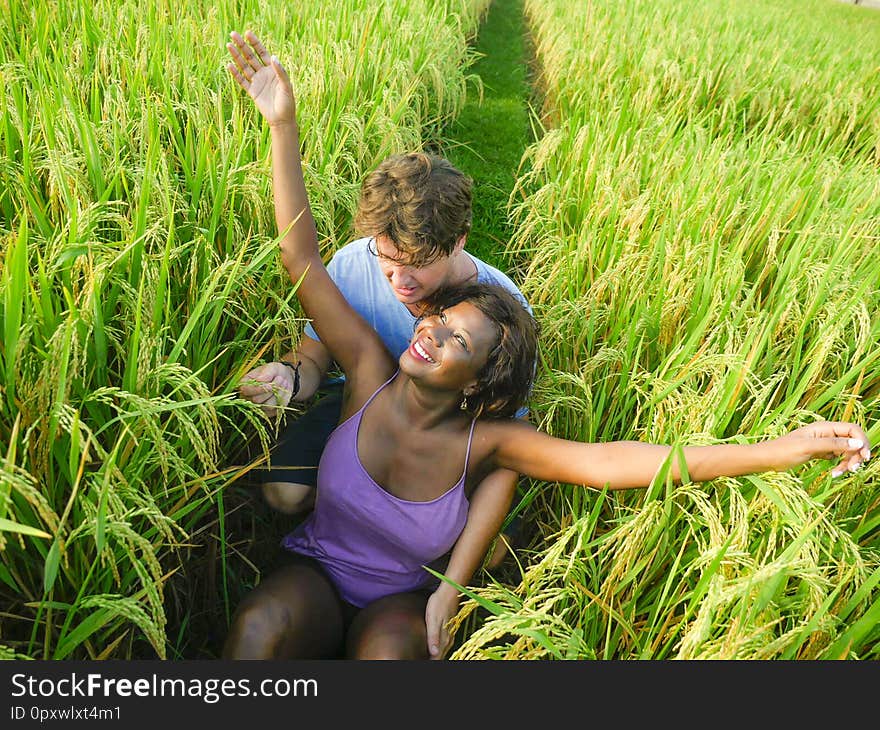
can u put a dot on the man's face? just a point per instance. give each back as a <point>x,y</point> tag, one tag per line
<point>412,284</point>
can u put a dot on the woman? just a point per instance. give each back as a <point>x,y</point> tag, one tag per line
<point>437,416</point>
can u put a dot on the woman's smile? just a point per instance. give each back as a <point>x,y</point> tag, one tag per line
<point>417,349</point>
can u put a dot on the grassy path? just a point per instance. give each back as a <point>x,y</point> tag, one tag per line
<point>487,142</point>
<point>491,134</point>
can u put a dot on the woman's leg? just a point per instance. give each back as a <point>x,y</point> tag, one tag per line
<point>295,613</point>
<point>390,628</point>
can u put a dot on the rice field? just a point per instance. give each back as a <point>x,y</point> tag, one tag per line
<point>698,229</point>
<point>695,230</point>
<point>140,278</point>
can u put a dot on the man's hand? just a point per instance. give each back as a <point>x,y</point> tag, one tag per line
<point>442,606</point>
<point>269,385</point>
<point>263,78</point>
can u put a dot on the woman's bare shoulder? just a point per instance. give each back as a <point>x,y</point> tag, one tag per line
<point>361,385</point>
<point>491,433</point>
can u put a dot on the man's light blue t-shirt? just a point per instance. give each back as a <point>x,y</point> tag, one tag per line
<point>359,277</point>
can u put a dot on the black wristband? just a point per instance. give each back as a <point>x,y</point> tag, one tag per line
<point>295,369</point>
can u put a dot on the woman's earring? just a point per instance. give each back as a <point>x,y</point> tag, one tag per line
<point>463,405</point>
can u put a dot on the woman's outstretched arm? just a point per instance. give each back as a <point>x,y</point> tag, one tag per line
<point>350,340</point>
<point>632,464</point>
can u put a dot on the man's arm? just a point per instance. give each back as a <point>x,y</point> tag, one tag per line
<point>489,505</point>
<point>271,384</point>
<point>315,361</point>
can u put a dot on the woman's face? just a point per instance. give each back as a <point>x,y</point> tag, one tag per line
<point>449,349</point>
<point>412,284</point>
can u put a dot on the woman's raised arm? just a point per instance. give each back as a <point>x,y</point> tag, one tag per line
<point>350,340</point>
<point>633,464</point>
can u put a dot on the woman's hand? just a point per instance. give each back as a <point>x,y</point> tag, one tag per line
<point>825,440</point>
<point>263,78</point>
<point>442,606</point>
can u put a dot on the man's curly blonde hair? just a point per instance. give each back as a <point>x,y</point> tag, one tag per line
<point>419,201</point>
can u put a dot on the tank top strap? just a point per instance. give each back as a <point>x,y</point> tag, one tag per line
<point>376,392</point>
<point>467,453</point>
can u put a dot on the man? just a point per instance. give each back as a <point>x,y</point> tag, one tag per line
<point>414,215</point>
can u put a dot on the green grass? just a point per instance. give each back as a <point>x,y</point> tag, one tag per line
<point>140,279</point>
<point>696,231</point>
<point>492,130</point>
<point>700,220</point>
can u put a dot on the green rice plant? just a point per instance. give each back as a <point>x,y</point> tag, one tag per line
<point>139,280</point>
<point>696,228</point>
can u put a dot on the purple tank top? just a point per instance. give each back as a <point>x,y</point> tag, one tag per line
<point>371,543</point>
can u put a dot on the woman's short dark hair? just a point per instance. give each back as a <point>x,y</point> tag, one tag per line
<point>505,381</point>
